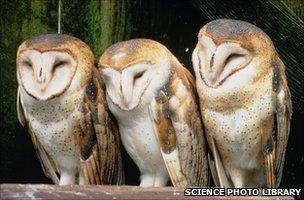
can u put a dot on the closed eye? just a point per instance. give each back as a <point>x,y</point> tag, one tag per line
<point>28,63</point>
<point>233,57</point>
<point>138,76</point>
<point>60,63</point>
<point>232,64</point>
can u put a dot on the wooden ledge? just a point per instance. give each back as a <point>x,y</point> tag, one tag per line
<point>38,191</point>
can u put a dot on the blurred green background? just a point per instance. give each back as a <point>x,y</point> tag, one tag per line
<point>173,23</point>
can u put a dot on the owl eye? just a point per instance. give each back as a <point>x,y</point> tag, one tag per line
<point>234,59</point>
<point>139,75</point>
<point>28,64</point>
<point>59,63</point>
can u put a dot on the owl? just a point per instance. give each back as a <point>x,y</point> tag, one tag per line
<point>245,103</point>
<point>61,100</point>
<point>153,99</point>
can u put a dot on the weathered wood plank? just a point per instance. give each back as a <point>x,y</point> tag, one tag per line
<point>19,191</point>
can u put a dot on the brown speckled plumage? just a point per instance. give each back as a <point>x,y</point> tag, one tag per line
<point>73,128</point>
<point>135,50</point>
<point>179,130</point>
<point>247,115</point>
<point>193,157</point>
<point>244,33</point>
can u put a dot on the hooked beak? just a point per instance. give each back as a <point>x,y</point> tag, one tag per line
<point>41,79</point>
<point>130,97</point>
<point>126,86</point>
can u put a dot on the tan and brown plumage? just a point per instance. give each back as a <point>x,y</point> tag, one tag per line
<point>75,137</point>
<point>245,103</point>
<point>168,117</point>
<point>99,140</point>
<point>158,115</point>
<point>275,144</point>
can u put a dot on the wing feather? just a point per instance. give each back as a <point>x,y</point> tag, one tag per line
<point>179,129</point>
<point>275,141</point>
<point>283,117</point>
<point>167,138</point>
<point>48,165</point>
<point>20,111</point>
<point>99,141</point>
<point>220,177</point>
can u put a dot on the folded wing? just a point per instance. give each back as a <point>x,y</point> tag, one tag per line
<point>178,126</point>
<point>99,141</point>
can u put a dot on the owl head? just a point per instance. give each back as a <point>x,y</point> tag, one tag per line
<point>225,47</point>
<point>134,71</point>
<point>49,65</point>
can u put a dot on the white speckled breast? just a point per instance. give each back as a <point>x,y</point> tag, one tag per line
<point>233,117</point>
<point>56,123</point>
<point>240,131</point>
<point>138,137</point>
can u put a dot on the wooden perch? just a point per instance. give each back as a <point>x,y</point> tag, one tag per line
<point>19,191</point>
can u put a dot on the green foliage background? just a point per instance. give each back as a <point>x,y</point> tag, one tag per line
<point>101,23</point>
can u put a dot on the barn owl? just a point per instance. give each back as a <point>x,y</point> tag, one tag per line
<point>61,100</point>
<point>153,99</point>
<point>245,103</point>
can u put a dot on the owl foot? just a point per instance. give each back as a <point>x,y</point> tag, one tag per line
<point>153,180</point>
<point>67,177</point>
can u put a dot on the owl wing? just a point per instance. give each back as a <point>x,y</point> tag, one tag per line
<point>46,161</point>
<point>220,177</point>
<point>275,142</point>
<point>20,111</point>
<point>99,141</point>
<point>178,127</point>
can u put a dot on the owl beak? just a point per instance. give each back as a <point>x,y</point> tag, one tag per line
<point>41,79</point>
<point>210,71</point>
<point>213,70</point>
<point>126,92</point>
<point>215,74</point>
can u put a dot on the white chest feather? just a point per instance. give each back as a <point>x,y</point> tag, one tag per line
<point>234,119</point>
<point>55,125</point>
<point>138,137</point>
<point>58,138</point>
